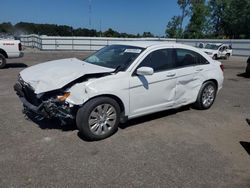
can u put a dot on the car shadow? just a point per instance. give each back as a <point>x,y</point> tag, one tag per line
<point>71,126</point>
<point>143,119</point>
<point>15,65</point>
<point>244,75</point>
<point>246,146</point>
<point>52,124</point>
<point>248,121</point>
<point>150,117</point>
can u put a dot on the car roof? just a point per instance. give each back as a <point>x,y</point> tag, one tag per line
<point>145,44</point>
<point>217,44</point>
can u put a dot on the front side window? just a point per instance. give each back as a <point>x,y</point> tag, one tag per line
<point>159,60</point>
<point>212,46</point>
<point>115,56</point>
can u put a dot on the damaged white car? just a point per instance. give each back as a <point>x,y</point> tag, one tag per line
<point>118,83</point>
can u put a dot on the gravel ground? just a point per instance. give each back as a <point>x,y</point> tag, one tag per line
<point>175,148</point>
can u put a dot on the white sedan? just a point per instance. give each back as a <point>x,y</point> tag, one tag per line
<point>118,83</point>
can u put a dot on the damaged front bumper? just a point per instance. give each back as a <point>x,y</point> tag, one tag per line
<point>50,108</point>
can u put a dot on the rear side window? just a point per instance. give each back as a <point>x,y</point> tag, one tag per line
<point>159,60</point>
<point>186,57</point>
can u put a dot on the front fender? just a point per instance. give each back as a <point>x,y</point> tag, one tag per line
<point>82,92</point>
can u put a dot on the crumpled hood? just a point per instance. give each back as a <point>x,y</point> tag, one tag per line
<point>54,75</point>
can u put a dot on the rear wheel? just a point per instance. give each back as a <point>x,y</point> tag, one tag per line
<point>206,96</point>
<point>98,118</point>
<point>248,66</point>
<point>227,56</point>
<point>215,57</point>
<point>248,69</point>
<point>2,61</point>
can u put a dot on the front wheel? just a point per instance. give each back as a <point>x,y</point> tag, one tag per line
<point>2,61</point>
<point>98,118</point>
<point>206,96</point>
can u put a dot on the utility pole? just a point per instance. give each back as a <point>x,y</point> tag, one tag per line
<point>90,11</point>
<point>100,28</point>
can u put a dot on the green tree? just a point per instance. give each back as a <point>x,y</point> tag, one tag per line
<point>197,23</point>
<point>6,27</point>
<point>175,25</point>
<point>236,19</point>
<point>147,35</point>
<point>173,29</point>
<point>184,6</point>
<point>111,33</point>
<point>216,17</point>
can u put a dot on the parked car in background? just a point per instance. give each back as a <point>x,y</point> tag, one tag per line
<point>218,50</point>
<point>248,66</point>
<point>118,83</point>
<point>200,45</point>
<point>9,48</point>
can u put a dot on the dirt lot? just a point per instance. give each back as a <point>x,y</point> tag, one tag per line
<point>176,148</point>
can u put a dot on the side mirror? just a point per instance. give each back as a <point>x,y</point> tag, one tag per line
<point>143,71</point>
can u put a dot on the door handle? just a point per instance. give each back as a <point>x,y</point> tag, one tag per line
<point>171,75</point>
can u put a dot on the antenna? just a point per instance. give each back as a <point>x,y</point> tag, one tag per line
<point>90,11</point>
<point>100,28</point>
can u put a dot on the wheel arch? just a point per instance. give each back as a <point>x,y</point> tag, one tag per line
<point>212,80</point>
<point>3,52</point>
<point>209,80</point>
<point>117,99</point>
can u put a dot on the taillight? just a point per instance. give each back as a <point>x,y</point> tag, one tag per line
<point>222,67</point>
<point>19,46</point>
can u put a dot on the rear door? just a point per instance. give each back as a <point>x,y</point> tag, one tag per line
<point>187,82</point>
<point>222,51</point>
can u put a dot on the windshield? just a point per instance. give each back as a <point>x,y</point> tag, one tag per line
<point>115,56</point>
<point>212,46</point>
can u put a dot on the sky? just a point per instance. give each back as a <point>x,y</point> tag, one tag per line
<point>131,16</point>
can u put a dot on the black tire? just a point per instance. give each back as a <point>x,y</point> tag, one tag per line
<point>215,57</point>
<point>248,66</point>
<point>84,113</point>
<point>227,56</point>
<point>2,61</point>
<point>199,104</point>
<point>248,69</point>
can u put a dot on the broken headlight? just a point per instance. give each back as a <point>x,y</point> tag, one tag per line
<point>63,97</point>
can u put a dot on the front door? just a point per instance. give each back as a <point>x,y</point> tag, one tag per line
<point>151,93</point>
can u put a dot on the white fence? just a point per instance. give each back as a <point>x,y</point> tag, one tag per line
<point>77,43</point>
<point>240,47</point>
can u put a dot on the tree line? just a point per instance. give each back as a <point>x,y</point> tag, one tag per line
<point>62,30</point>
<point>211,19</point>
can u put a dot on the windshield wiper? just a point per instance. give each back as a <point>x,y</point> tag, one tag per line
<point>118,69</point>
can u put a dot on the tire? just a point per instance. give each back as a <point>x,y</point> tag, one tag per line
<point>98,118</point>
<point>248,66</point>
<point>227,56</point>
<point>215,57</point>
<point>248,69</point>
<point>206,96</point>
<point>2,61</point>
